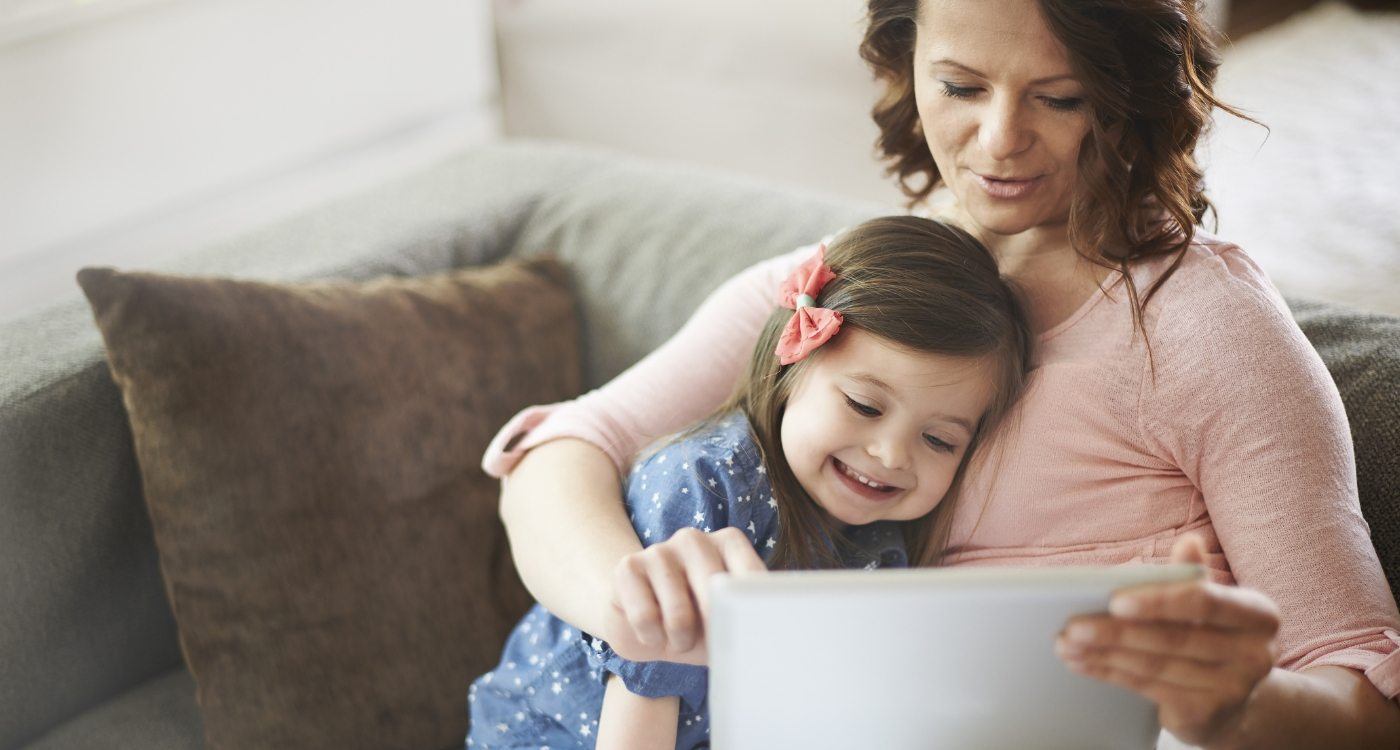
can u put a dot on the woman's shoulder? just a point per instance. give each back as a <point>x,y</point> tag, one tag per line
<point>1219,325</point>
<point>1216,285</point>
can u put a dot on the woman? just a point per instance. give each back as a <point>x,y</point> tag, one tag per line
<point>1175,411</point>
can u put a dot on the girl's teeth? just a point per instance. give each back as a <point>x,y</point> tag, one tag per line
<point>863,479</point>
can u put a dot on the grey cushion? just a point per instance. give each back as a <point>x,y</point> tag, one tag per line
<point>1362,351</point>
<point>159,714</point>
<point>647,243</point>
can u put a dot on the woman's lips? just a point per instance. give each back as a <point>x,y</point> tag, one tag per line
<point>1006,189</point>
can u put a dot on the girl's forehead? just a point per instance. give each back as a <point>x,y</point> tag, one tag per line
<point>861,357</point>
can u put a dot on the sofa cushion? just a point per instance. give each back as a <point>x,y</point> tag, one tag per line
<point>309,457</point>
<point>1362,351</point>
<point>159,714</point>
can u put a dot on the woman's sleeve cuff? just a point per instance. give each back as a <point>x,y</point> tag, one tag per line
<point>1382,669</point>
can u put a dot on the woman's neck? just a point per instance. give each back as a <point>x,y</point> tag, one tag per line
<point>1053,279</point>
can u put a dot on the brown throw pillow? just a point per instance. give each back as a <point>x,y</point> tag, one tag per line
<point>310,461</point>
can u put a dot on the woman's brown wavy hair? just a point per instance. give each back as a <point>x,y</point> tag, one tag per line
<point>916,283</point>
<point>1148,67</point>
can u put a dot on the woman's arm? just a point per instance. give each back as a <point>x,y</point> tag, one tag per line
<point>632,722</point>
<point>564,517</point>
<point>1304,653</point>
<point>561,503</point>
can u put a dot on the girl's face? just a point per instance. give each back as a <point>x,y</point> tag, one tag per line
<point>875,432</point>
<point>1001,111</point>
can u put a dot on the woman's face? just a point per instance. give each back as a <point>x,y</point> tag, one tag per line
<point>1001,110</point>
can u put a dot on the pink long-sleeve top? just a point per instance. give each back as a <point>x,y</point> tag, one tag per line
<point>1233,429</point>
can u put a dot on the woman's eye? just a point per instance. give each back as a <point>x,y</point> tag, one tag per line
<point>1064,104</point>
<point>862,409</point>
<point>939,445</point>
<point>958,92</point>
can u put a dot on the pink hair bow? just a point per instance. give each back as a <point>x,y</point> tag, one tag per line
<point>810,326</point>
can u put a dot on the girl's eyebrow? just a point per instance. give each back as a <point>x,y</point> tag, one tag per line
<point>866,377</point>
<point>1037,82</point>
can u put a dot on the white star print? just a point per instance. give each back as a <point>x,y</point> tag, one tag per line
<point>502,728</point>
<point>685,490</point>
<point>762,470</point>
<point>557,688</point>
<point>712,482</point>
<point>728,460</point>
<point>584,730</point>
<point>772,503</point>
<point>646,534</point>
<point>685,465</point>
<point>770,542</point>
<point>699,516</point>
<point>752,530</point>
<point>661,459</point>
<point>707,529</point>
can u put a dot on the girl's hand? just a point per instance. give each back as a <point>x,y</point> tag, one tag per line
<point>660,602</point>
<point>1195,649</point>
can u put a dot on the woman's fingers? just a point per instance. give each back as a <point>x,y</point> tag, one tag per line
<point>1196,649</point>
<point>1198,603</point>
<point>1143,668</point>
<point>1176,639</point>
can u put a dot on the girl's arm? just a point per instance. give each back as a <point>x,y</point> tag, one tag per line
<point>561,503</point>
<point>631,722</point>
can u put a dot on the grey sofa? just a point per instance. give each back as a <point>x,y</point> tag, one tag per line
<point>88,650</point>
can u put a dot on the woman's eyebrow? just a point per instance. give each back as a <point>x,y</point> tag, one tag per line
<point>1037,82</point>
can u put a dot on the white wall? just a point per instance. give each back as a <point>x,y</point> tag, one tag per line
<point>159,124</point>
<point>772,88</point>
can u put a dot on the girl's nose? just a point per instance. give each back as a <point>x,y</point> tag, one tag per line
<point>1002,132</point>
<point>889,451</point>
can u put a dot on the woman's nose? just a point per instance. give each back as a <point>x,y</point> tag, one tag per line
<point>1002,132</point>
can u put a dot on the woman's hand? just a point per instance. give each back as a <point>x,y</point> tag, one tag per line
<point>1197,650</point>
<point>660,601</point>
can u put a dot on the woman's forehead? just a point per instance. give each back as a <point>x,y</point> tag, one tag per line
<point>998,38</point>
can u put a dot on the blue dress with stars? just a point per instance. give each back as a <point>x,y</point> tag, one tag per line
<point>548,688</point>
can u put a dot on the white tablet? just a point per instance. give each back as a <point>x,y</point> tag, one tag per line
<point>905,659</point>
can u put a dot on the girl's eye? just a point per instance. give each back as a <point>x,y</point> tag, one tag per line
<point>939,445</point>
<point>958,92</point>
<point>1065,104</point>
<point>862,409</point>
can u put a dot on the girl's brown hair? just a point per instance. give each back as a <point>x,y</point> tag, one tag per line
<point>916,283</point>
<point>1148,67</point>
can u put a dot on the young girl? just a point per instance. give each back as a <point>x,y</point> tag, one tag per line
<point>893,353</point>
